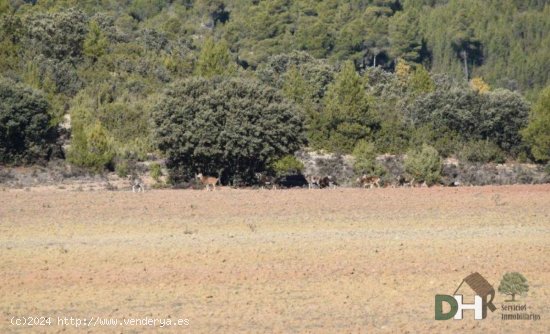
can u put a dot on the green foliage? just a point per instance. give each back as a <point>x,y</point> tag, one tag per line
<point>90,147</point>
<point>420,82</point>
<point>346,118</point>
<point>288,165</point>
<point>481,151</point>
<point>155,171</point>
<point>214,59</point>
<point>229,127</point>
<point>513,284</point>
<point>365,159</point>
<point>58,35</point>
<point>26,135</point>
<point>404,32</point>
<point>537,133</point>
<point>424,164</point>
<point>495,116</point>
<point>95,43</point>
<point>112,59</point>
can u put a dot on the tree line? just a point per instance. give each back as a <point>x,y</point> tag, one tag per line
<point>233,87</point>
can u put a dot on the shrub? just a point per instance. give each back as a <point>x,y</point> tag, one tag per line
<point>481,151</point>
<point>288,165</point>
<point>91,147</point>
<point>365,159</point>
<point>424,164</point>
<point>156,171</point>
<point>26,135</point>
<point>122,169</point>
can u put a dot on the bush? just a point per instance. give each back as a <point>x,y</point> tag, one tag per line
<point>26,135</point>
<point>365,159</point>
<point>122,169</point>
<point>288,165</point>
<point>231,127</point>
<point>481,151</point>
<point>91,147</point>
<point>155,171</point>
<point>424,165</point>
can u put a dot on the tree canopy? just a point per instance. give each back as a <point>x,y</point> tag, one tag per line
<point>456,75</point>
<point>225,126</point>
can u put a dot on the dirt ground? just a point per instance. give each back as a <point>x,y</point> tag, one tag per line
<point>270,261</point>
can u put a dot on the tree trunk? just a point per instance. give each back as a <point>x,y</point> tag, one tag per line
<point>513,297</point>
<point>465,58</point>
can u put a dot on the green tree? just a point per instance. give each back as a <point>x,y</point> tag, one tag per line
<point>405,36</point>
<point>57,35</point>
<point>26,135</point>
<point>214,59</point>
<point>513,284</point>
<point>424,164</point>
<point>537,133</point>
<point>420,81</point>
<point>497,116</point>
<point>225,126</point>
<point>346,117</point>
<point>95,43</point>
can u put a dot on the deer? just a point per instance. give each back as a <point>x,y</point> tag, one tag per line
<point>313,181</point>
<point>328,182</point>
<point>266,180</point>
<point>207,181</point>
<point>369,181</point>
<point>137,184</point>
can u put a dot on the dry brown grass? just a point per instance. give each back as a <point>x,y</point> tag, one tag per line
<point>314,261</point>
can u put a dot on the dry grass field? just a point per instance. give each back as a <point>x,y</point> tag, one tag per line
<point>261,261</point>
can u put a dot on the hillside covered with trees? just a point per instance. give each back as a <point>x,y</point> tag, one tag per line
<point>238,85</point>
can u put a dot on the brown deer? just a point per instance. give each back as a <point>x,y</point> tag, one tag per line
<point>207,181</point>
<point>313,181</point>
<point>369,181</point>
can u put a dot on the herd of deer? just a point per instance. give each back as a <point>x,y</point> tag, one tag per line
<point>264,181</point>
<point>312,181</point>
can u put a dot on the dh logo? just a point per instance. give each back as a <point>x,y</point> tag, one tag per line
<point>482,290</point>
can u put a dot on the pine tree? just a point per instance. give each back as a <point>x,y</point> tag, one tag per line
<point>537,133</point>
<point>95,43</point>
<point>214,59</point>
<point>346,117</point>
<point>420,82</point>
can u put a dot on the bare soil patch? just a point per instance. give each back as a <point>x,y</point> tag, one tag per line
<point>311,261</point>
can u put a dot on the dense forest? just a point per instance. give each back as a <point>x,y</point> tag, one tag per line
<point>233,86</point>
